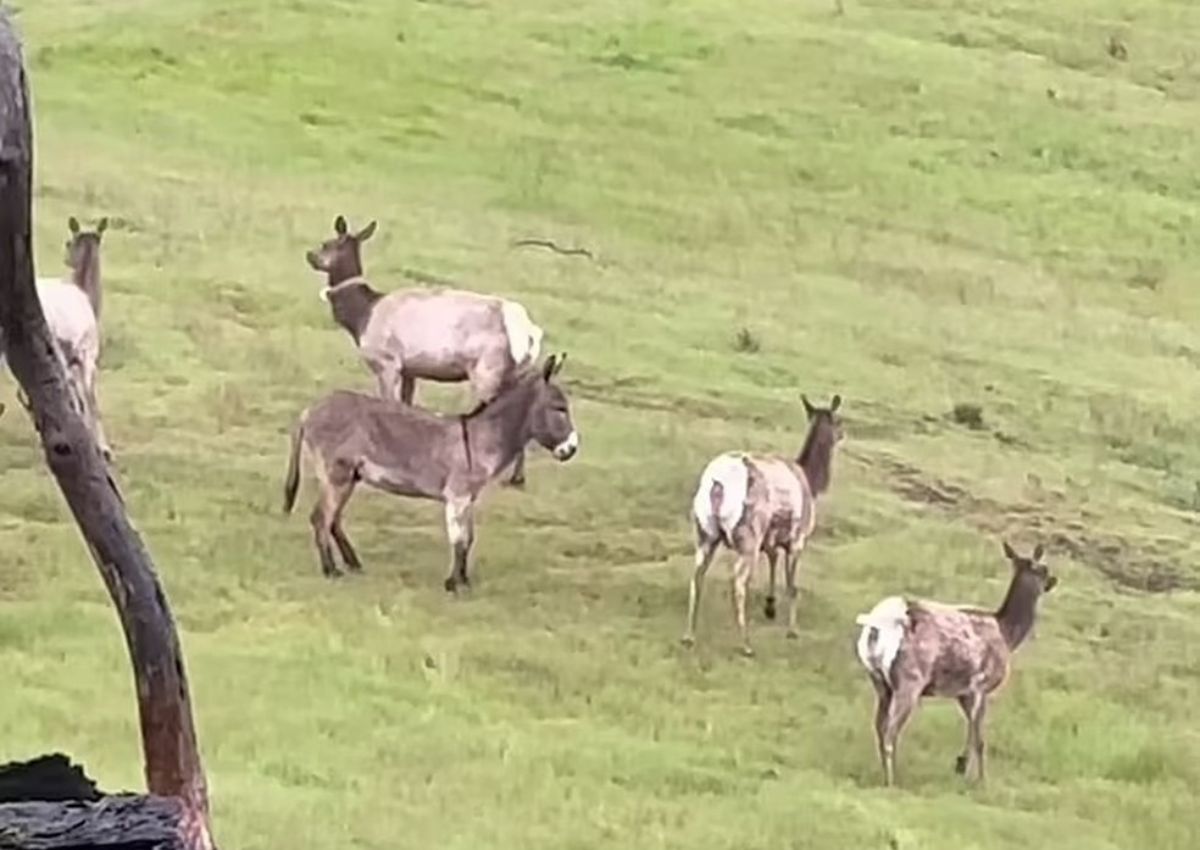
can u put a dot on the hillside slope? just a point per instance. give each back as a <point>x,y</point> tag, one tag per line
<point>919,204</point>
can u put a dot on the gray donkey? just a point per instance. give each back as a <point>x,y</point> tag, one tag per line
<point>351,437</point>
<point>444,335</point>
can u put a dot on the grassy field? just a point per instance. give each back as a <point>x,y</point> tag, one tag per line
<point>919,204</point>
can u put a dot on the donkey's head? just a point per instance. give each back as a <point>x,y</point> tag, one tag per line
<point>84,245</point>
<point>550,415</point>
<point>1031,573</point>
<point>340,257</point>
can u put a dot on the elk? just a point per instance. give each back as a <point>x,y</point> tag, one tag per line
<point>445,335</point>
<point>915,648</point>
<point>762,504</point>
<point>72,310</point>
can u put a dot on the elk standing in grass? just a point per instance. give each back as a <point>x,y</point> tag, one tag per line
<point>72,311</point>
<point>407,451</point>
<point>914,648</point>
<point>444,335</point>
<point>758,503</point>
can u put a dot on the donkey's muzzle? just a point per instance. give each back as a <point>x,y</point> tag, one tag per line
<point>567,448</point>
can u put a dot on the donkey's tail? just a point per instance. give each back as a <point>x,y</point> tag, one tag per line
<point>524,337</point>
<point>291,485</point>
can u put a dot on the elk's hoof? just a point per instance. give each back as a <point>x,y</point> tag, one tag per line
<point>688,640</point>
<point>516,483</point>
<point>747,651</point>
<point>769,610</point>
<point>960,765</point>
<point>450,584</point>
<point>792,634</point>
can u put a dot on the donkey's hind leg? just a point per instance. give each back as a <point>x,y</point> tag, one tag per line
<point>335,486</point>
<point>349,556</point>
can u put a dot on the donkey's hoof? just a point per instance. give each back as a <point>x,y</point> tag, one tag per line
<point>769,610</point>
<point>516,483</point>
<point>960,765</point>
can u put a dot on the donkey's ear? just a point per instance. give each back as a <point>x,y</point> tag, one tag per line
<point>73,225</point>
<point>1038,552</point>
<point>101,226</point>
<point>835,404</point>
<point>339,226</point>
<point>550,367</point>
<point>1009,553</point>
<point>366,233</point>
<point>808,408</point>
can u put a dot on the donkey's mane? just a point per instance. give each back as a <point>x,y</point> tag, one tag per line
<point>523,378</point>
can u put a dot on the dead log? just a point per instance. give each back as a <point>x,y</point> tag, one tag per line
<point>172,759</point>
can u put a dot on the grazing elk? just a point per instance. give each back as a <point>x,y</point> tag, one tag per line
<point>72,311</point>
<point>915,648</point>
<point>407,451</point>
<point>762,504</point>
<point>444,335</point>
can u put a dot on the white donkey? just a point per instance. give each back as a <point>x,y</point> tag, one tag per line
<point>444,335</point>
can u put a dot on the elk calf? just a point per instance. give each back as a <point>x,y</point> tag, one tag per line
<point>914,648</point>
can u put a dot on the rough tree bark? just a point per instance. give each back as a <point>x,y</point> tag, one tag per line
<point>172,759</point>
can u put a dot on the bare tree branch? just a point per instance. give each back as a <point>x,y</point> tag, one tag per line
<point>551,245</point>
<point>172,759</point>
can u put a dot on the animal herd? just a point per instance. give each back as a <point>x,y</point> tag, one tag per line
<point>755,505</point>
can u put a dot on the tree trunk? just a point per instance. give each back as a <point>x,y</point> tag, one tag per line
<point>172,759</point>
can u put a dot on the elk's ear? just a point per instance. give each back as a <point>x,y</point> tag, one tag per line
<point>101,226</point>
<point>1009,553</point>
<point>835,404</point>
<point>366,233</point>
<point>549,369</point>
<point>73,225</point>
<point>808,408</point>
<point>1051,583</point>
<point>339,226</point>
<point>562,359</point>
<point>1038,552</point>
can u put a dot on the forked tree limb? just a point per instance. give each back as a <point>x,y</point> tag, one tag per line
<point>172,758</point>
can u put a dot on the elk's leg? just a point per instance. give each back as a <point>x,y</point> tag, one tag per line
<point>904,700</point>
<point>791,560</point>
<point>883,703</point>
<point>772,560</point>
<point>977,716</point>
<point>705,550</point>
<point>742,572</point>
<point>460,531</point>
<point>408,389</point>
<point>517,479</point>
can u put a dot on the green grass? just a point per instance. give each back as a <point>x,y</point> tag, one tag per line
<point>920,204</point>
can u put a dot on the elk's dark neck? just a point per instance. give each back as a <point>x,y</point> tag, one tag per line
<point>816,459</point>
<point>86,275</point>
<point>1018,611</point>
<point>499,430</point>
<point>352,303</point>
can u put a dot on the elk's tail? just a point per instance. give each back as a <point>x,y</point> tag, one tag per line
<point>291,484</point>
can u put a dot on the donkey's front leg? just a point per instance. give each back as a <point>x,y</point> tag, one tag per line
<point>460,531</point>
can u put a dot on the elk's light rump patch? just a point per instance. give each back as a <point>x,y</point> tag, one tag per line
<point>728,470</point>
